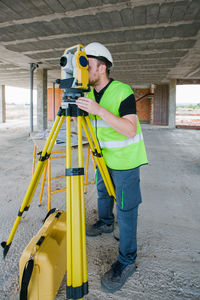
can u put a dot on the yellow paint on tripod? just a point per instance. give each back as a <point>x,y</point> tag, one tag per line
<point>77,262</point>
<point>102,162</point>
<point>84,252</point>
<point>99,160</point>
<point>51,135</point>
<point>43,182</point>
<point>55,135</point>
<point>80,143</point>
<point>68,203</point>
<point>34,182</point>
<point>76,237</point>
<point>49,185</point>
<point>28,196</point>
<point>47,150</point>
<point>92,146</point>
<point>86,172</point>
<point>82,202</point>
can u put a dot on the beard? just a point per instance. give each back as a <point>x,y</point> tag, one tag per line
<point>94,81</point>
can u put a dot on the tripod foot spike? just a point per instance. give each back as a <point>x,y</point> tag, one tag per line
<point>5,248</point>
<point>77,292</point>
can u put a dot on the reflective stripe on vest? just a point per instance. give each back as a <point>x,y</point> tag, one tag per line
<point>120,144</point>
<point>99,123</point>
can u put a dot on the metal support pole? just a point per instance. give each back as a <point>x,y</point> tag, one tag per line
<point>54,101</point>
<point>33,66</point>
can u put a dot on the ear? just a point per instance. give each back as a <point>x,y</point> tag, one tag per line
<point>102,68</point>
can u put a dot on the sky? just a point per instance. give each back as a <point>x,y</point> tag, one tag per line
<point>188,93</point>
<point>184,94</point>
<point>19,95</point>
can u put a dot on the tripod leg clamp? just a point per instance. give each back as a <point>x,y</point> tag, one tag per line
<point>43,158</point>
<point>61,112</point>
<point>97,154</point>
<point>74,171</point>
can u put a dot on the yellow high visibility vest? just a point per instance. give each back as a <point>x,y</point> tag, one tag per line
<point>119,151</point>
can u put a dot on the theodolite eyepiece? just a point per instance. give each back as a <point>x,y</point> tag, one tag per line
<point>63,61</point>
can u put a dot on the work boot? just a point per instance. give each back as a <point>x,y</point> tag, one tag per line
<point>116,277</point>
<point>98,228</point>
<point>116,233</point>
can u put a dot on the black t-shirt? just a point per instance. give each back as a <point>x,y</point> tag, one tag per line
<point>127,106</point>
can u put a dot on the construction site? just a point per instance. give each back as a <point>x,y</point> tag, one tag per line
<point>155,46</point>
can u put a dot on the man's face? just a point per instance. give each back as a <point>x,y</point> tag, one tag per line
<point>94,75</point>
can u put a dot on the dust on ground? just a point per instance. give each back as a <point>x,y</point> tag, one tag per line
<point>168,263</point>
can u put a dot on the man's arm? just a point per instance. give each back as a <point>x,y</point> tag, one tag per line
<point>126,125</point>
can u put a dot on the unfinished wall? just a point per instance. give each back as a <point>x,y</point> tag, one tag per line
<point>161,105</point>
<point>144,106</point>
<point>58,100</point>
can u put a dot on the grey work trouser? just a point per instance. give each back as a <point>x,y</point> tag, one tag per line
<point>127,188</point>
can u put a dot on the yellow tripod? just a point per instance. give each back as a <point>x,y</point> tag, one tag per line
<point>77,284</point>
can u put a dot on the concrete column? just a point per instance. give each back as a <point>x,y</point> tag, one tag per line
<point>172,104</point>
<point>2,104</point>
<point>41,99</point>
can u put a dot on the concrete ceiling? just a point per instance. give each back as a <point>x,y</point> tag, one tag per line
<point>151,41</point>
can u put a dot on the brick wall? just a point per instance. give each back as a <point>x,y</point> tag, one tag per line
<point>144,106</point>
<point>58,100</point>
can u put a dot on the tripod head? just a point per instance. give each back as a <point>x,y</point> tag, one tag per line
<point>74,73</point>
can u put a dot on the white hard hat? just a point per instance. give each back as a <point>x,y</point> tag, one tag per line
<point>99,51</point>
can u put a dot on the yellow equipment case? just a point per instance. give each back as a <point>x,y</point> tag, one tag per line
<point>43,262</point>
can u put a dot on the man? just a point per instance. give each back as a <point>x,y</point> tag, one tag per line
<point>112,110</point>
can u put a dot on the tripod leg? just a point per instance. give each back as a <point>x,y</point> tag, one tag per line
<point>68,206</point>
<point>93,162</point>
<point>98,156</point>
<point>43,183</point>
<point>86,170</point>
<point>102,162</point>
<point>49,184</point>
<point>47,149</point>
<point>77,285</point>
<point>34,181</point>
<point>82,204</point>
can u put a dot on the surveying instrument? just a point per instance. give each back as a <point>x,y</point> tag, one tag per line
<point>75,82</point>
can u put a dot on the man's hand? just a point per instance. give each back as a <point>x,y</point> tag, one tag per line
<point>89,105</point>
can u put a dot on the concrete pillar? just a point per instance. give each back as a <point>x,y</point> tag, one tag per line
<point>2,104</point>
<point>172,104</point>
<point>41,99</point>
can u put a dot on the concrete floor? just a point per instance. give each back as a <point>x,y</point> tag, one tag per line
<point>168,264</point>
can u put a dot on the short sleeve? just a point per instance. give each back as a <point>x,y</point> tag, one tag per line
<point>128,106</point>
